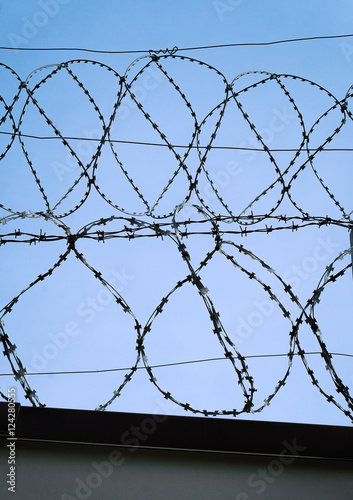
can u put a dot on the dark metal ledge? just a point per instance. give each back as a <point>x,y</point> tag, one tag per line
<point>135,430</point>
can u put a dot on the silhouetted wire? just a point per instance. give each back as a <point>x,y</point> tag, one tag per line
<point>166,365</point>
<point>166,225</point>
<point>159,144</point>
<point>2,394</point>
<point>202,47</point>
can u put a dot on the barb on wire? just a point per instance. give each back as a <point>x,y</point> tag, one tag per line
<point>169,52</point>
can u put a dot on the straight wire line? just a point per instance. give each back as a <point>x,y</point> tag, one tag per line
<point>140,143</point>
<point>205,47</point>
<point>166,365</point>
<point>275,42</point>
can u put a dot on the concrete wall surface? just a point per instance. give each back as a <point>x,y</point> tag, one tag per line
<point>50,471</point>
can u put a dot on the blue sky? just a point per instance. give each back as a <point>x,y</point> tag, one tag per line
<point>69,322</point>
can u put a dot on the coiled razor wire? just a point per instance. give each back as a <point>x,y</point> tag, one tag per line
<point>150,222</point>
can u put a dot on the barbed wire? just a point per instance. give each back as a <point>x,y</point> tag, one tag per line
<point>29,101</point>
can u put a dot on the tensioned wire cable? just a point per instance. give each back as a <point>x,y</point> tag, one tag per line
<point>220,46</point>
<point>179,146</point>
<point>166,365</point>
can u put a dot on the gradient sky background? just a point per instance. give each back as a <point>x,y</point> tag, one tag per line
<point>145,270</point>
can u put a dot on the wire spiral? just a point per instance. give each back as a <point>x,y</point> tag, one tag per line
<point>145,209</point>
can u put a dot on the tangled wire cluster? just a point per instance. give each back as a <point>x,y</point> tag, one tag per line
<point>145,208</point>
